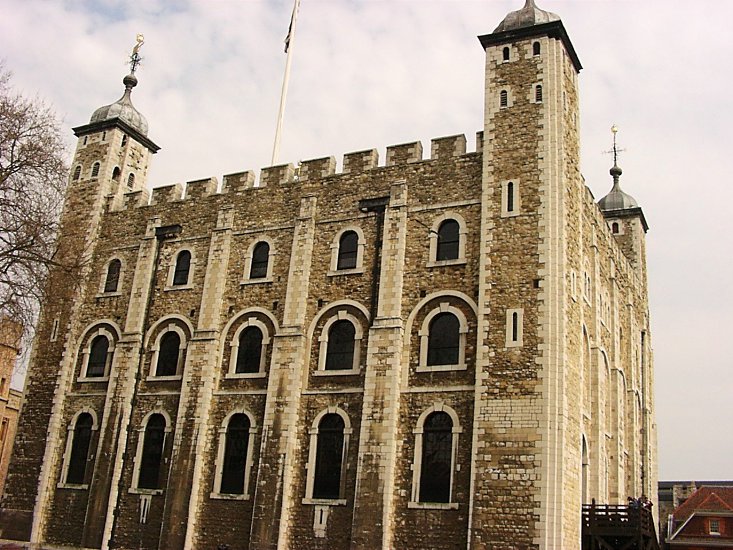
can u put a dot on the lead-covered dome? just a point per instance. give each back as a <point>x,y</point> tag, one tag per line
<point>528,16</point>
<point>123,109</point>
<point>616,198</point>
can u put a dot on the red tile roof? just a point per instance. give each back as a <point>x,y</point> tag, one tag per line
<point>706,498</point>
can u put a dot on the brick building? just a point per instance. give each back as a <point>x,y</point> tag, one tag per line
<point>432,352</point>
<point>10,398</point>
<point>703,520</point>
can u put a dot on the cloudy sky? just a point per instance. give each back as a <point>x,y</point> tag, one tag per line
<point>372,73</point>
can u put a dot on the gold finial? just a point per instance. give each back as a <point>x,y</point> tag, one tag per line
<point>135,58</point>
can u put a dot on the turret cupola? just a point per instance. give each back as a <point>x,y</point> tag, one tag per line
<point>528,16</point>
<point>123,109</point>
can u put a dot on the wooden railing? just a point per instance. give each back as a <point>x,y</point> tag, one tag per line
<point>607,526</point>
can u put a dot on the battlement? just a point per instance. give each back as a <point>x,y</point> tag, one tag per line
<point>441,149</point>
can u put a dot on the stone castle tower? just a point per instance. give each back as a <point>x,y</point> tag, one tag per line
<point>436,352</point>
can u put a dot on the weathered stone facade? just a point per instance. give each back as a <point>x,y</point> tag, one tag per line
<point>548,403</point>
<point>10,398</point>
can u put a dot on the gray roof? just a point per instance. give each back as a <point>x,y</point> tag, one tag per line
<point>528,16</point>
<point>123,109</point>
<point>616,198</point>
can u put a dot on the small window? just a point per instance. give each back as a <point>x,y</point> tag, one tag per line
<point>183,266</point>
<point>515,326</point>
<point>436,461</point>
<point>714,526</point>
<point>168,354</point>
<point>536,48</point>
<point>116,173</point>
<point>340,350</point>
<point>260,259</point>
<point>503,98</point>
<point>97,364</point>
<point>131,181</point>
<point>510,196</point>
<point>538,93</point>
<point>124,141</point>
<point>505,54</point>
<point>112,280</point>
<point>329,457</point>
<point>235,455</point>
<point>77,173</point>
<point>444,340</point>
<point>152,453</point>
<point>448,241</point>
<point>614,228</point>
<point>81,439</point>
<point>249,351</point>
<point>348,248</point>
<point>95,169</point>
<point>104,136</point>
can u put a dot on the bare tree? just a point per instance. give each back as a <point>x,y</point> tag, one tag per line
<point>33,177</point>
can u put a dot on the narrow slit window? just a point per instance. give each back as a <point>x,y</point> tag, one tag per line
<point>505,54</point>
<point>437,454</point>
<point>515,326</point>
<point>348,248</point>
<point>503,98</point>
<point>183,266</point>
<point>341,343</point>
<point>152,453</point>
<point>235,455</point>
<point>510,197</point>
<point>260,260</point>
<point>81,439</point>
<point>249,352</point>
<point>329,457</point>
<point>124,141</point>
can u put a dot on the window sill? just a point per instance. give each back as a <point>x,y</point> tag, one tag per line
<point>433,505</point>
<point>241,375</point>
<point>441,263</point>
<point>353,271</point>
<point>440,368</point>
<point>93,379</point>
<point>512,214</point>
<point>73,486</point>
<point>517,344</point>
<point>325,501</point>
<point>138,491</point>
<point>177,287</point>
<point>244,282</point>
<point>164,378</point>
<point>337,372</point>
<point>108,294</point>
<point>225,496</point>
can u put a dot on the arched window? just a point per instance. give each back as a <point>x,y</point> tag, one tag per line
<point>437,458</point>
<point>443,340</point>
<point>116,173</point>
<point>329,457</point>
<point>97,363</point>
<point>168,354</point>
<point>249,351</point>
<point>183,266</point>
<point>81,439</point>
<point>112,280</point>
<point>130,181</point>
<point>536,48</point>
<point>538,93</point>
<point>77,173</point>
<point>448,241</point>
<point>234,464</point>
<point>503,98</point>
<point>260,259</point>
<point>340,350</point>
<point>505,54</point>
<point>152,453</point>
<point>614,228</point>
<point>95,169</point>
<point>347,251</point>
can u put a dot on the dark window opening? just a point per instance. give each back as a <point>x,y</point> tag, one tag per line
<point>443,340</point>
<point>538,93</point>
<point>437,451</point>
<point>515,326</point>
<point>235,455</point>
<point>510,197</point>
<point>183,265</point>
<point>113,276</point>
<point>116,173</point>
<point>168,354</point>
<point>124,141</point>
<point>340,349</point>
<point>95,169</point>
<point>152,454</point>
<point>329,456</point>
<point>130,181</point>
<point>536,48</point>
<point>614,227</point>
<point>448,240</point>
<point>348,246</point>
<point>98,357</point>
<point>249,352</point>
<point>77,173</point>
<point>76,473</point>
<point>260,259</point>
<point>503,98</point>
<point>505,54</point>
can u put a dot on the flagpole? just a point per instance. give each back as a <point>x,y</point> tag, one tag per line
<point>289,41</point>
